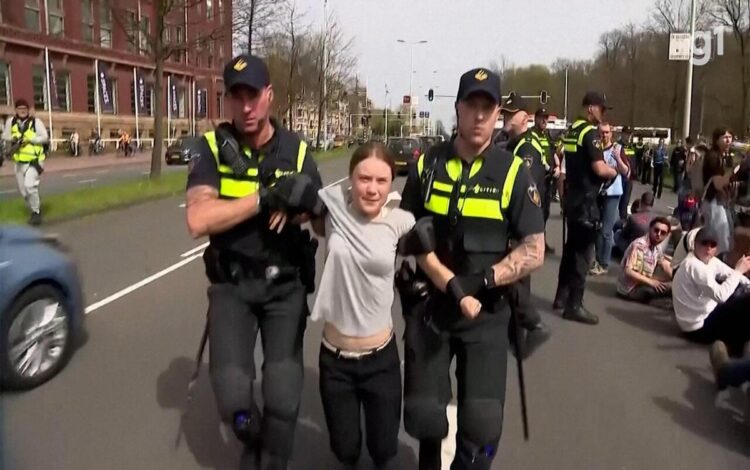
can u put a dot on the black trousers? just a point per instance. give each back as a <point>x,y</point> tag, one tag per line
<point>578,254</point>
<point>371,384</point>
<point>548,191</point>
<point>645,294</point>
<point>480,347</point>
<point>729,322</point>
<point>658,180</point>
<point>627,187</point>
<point>236,313</point>
<point>521,305</point>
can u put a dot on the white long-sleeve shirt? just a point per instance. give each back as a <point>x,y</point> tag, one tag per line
<point>696,291</point>
<point>42,137</point>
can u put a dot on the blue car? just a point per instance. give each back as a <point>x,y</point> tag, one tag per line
<point>41,307</point>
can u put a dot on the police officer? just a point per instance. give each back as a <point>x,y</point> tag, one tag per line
<point>541,134</point>
<point>479,197</point>
<point>524,144</point>
<point>585,173</point>
<point>626,143</point>
<point>25,138</point>
<point>250,184</point>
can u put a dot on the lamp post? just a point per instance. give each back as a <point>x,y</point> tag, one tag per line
<point>411,45</point>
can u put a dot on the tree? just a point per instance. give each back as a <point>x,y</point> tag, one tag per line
<point>152,40</point>
<point>252,22</point>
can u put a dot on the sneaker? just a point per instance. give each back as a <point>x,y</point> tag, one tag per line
<point>35,219</point>
<point>597,270</point>
<point>719,359</point>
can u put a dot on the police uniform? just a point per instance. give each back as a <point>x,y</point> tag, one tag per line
<point>627,183</point>
<point>582,148</point>
<point>258,283</point>
<point>27,137</point>
<point>476,208</point>
<point>548,163</point>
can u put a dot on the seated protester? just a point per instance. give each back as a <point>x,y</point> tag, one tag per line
<point>729,372</point>
<point>638,222</point>
<point>710,299</point>
<point>359,363</point>
<point>684,246</point>
<point>637,280</point>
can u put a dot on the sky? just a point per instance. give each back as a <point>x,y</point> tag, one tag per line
<point>463,34</point>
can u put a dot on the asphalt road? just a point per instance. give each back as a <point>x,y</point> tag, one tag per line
<point>64,181</point>
<point>626,394</point>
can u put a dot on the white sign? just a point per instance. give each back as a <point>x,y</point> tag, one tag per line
<point>679,46</point>
<point>415,100</point>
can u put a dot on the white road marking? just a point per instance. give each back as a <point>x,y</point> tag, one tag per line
<point>87,181</point>
<point>448,446</point>
<point>122,293</point>
<point>194,251</point>
<point>183,205</point>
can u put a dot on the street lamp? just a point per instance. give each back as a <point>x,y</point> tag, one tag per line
<point>411,45</point>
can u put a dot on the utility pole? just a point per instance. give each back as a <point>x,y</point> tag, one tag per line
<point>689,80</point>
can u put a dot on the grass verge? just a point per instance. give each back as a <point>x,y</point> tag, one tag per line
<point>85,201</point>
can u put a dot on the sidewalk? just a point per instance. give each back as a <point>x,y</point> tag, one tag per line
<point>62,164</point>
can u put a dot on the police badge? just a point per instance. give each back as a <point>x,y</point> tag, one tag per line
<point>534,195</point>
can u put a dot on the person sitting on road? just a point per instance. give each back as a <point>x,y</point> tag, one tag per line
<point>359,361</point>
<point>729,372</point>
<point>638,222</point>
<point>712,300</point>
<point>637,280</point>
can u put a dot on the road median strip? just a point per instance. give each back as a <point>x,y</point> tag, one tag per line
<point>87,201</point>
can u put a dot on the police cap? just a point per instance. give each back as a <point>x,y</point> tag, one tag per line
<point>541,112</point>
<point>513,104</point>
<point>627,130</point>
<point>246,70</point>
<point>595,98</point>
<point>479,81</point>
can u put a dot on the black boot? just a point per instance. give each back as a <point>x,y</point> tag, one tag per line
<point>580,315</point>
<point>35,219</point>
<point>429,454</point>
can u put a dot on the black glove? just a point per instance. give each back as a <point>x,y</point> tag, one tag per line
<point>420,239</point>
<point>37,166</point>
<point>470,285</point>
<point>293,194</point>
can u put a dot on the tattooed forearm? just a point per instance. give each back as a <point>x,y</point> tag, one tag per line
<point>527,256</point>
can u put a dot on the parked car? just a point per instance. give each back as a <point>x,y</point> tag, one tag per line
<point>41,307</point>
<point>406,150</point>
<point>428,141</point>
<point>339,141</point>
<point>179,151</point>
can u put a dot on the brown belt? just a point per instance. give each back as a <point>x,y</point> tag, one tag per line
<point>344,354</point>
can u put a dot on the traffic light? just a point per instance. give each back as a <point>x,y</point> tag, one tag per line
<point>399,115</point>
<point>430,95</point>
<point>414,115</point>
<point>543,97</point>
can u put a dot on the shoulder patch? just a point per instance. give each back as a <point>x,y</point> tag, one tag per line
<point>534,195</point>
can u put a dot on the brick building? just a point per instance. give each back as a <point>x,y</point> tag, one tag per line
<point>79,33</point>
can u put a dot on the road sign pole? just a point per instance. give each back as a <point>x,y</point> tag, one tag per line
<point>689,79</point>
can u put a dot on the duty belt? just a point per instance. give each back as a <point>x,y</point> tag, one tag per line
<point>248,269</point>
<point>356,355</point>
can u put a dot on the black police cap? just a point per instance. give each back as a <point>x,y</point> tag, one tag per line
<point>595,98</point>
<point>541,112</point>
<point>513,104</point>
<point>479,81</point>
<point>246,70</point>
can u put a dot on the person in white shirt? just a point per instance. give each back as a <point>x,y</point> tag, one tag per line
<point>684,247</point>
<point>359,363</point>
<point>711,300</point>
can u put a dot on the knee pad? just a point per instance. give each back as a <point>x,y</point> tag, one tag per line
<point>424,418</point>
<point>246,425</point>
<point>481,421</point>
<point>282,388</point>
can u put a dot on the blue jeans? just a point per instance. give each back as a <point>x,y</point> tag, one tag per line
<point>605,239</point>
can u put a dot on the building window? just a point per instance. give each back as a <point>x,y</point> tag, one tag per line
<point>147,99</point>
<point>39,84</point>
<point>31,15</point>
<point>210,53</point>
<point>131,29</point>
<point>219,105</point>
<point>221,12</point>
<point>181,102</point>
<point>87,20</point>
<point>145,35</point>
<point>179,39</point>
<point>91,89</point>
<point>63,90</point>
<point>55,17</point>
<point>5,98</point>
<point>105,23</point>
<point>209,9</point>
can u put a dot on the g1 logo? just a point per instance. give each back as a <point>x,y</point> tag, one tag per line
<point>703,45</point>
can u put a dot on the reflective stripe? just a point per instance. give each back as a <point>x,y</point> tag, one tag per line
<point>534,143</point>
<point>29,152</point>
<point>237,188</point>
<point>510,180</point>
<point>228,170</point>
<point>443,186</point>
<point>420,165</point>
<point>629,151</point>
<point>482,208</point>
<point>231,185</point>
<point>301,155</point>
<point>583,133</point>
<point>438,204</point>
